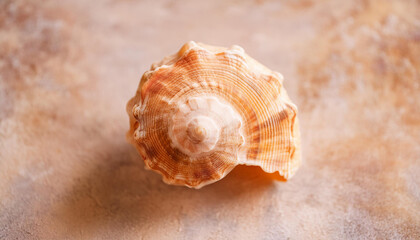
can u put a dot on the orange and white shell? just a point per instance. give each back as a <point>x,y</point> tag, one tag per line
<point>202,111</point>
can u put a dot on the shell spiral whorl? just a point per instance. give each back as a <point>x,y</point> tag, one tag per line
<point>199,113</point>
<point>199,124</point>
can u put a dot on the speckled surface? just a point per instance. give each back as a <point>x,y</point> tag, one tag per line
<point>67,69</point>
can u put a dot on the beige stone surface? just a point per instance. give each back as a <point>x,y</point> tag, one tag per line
<point>67,69</point>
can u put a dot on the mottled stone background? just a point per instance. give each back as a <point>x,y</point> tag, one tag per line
<point>67,69</point>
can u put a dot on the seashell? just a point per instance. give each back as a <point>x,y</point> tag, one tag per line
<point>202,111</point>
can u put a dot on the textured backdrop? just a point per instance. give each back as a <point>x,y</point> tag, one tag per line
<point>67,69</point>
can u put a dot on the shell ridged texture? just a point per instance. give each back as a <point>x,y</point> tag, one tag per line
<point>200,112</point>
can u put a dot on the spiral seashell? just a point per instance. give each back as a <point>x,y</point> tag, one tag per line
<point>202,111</point>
